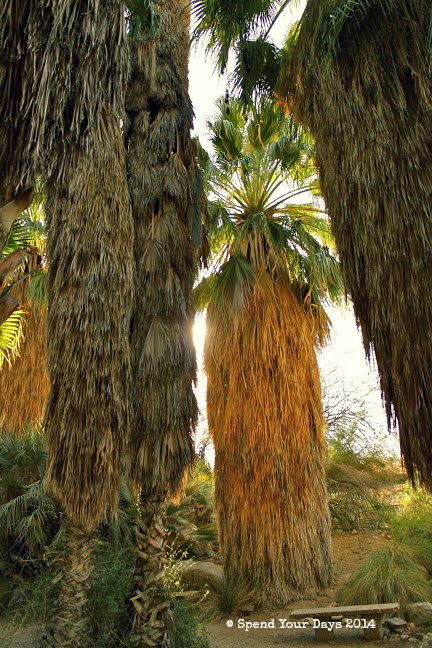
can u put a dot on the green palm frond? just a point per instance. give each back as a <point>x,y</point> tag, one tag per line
<point>227,139</point>
<point>20,236</point>
<point>38,288</point>
<point>257,68</point>
<point>339,14</point>
<point>26,453</point>
<point>11,334</point>
<point>224,23</point>
<point>143,19</point>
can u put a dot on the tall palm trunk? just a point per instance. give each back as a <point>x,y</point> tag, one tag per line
<point>161,167</point>
<point>71,628</point>
<point>150,601</point>
<point>265,416</point>
<point>90,282</point>
<point>368,103</point>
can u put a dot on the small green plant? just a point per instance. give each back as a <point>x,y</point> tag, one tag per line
<point>190,521</point>
<point>227,595</point>
<point>176,564</point>
<point>111,586</point>
<point>388,575</point>
<point>187,629</point>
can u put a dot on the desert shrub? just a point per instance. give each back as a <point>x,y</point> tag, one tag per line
<point>177,562</point>
<point>33,599</point>
<point>112,584</point>
<point>187,629</point>
<point>412,526</point>
<point>361,479</point>
<point>388,575</point>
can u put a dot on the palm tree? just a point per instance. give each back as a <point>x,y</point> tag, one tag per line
<point>371,63</point>
<point>161,169</point>
<point>360,76</point>
<point>79,99</point>
<point>271,276</point>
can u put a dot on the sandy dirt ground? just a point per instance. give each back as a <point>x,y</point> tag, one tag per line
<point>348,552</point>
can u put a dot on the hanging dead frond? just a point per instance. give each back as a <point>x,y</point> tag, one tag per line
<point>368,102</point>
<point>265,416</point>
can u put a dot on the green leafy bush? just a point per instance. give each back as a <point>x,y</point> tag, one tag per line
<point>412,526</point>
<point>361,479</point>
<point>187,630</point>
<point>112,584</point>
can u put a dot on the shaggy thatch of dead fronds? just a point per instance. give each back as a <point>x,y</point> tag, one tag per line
<point>89,249</point>
<point>84,71</point>
<point>24,384</point>
<point>270,445</point>
<point>16,88</point>
<point>368,102</point>
<point>162,167</point>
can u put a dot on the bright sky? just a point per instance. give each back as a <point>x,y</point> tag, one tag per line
<point>343,364</point>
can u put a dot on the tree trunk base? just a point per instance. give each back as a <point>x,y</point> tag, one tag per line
<point>70,627</point>
<point>151,602</point>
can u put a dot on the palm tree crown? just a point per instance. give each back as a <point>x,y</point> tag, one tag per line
<point>263,163</point>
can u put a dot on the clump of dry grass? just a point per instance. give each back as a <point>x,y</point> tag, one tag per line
<point>367,96</point>
<point>388,575</point>
<point>228,595</point>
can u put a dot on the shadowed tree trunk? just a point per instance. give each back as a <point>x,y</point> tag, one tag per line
<point>161,168</point>
<point>19,59</point>
<point>368,102</point>
<point>20,24</point>
<point>71,627</point>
